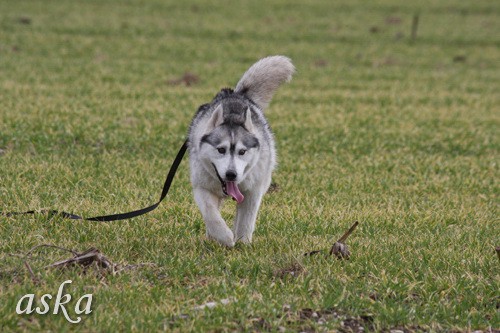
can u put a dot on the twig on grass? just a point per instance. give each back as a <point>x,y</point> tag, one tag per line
<point>348,232</point>
<point>33,277</point>
<point>339,248</point>
<point>414,27</point>
<point>49,245</point>
<point>312,253</point>
<point>87,258</point>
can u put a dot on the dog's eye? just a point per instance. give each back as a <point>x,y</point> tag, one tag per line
<point>242,152</point>
<point>221,150</point>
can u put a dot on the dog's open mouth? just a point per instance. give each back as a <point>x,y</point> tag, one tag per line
<point>230,188</point>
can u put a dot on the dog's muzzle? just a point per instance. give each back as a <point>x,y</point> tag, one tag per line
<point>230,188</point>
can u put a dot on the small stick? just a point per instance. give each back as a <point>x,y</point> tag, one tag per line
<point>89,257</point>
<point>85,258</point>
<point>339,248</point>
<point>348,232</point>
<point>414,27</point>
<point>312,253</point>
<point>52,246</point>
<point>33,277</point>
<point>28,254</point>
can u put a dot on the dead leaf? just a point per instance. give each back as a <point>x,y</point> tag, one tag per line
<point>340,250</point>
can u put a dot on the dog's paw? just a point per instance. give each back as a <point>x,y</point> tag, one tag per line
<point>224,237</point>
<point>245,239</point>
<point>229,242</point>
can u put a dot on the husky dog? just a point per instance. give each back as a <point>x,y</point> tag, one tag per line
<point>232,151</point>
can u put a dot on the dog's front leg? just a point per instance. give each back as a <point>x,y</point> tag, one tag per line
<point>216,226</point>
<point>246,214</point>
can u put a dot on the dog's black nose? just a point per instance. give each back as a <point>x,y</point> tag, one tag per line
<point>230,175</point>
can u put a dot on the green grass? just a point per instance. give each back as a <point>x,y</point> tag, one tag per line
<point>399,135</point>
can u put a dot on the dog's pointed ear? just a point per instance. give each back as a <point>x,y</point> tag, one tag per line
<point>248,120</point>
<point>216,119</point>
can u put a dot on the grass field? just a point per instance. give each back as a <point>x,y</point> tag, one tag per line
<point>397,133</point>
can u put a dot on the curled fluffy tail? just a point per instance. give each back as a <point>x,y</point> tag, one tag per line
<point>265,76</point>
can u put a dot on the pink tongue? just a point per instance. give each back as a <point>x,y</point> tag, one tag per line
<point>233,190</point>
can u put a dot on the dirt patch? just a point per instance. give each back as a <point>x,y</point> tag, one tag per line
<point>393,20</point>
<point>293,270</point>
<point>385,62</point>
<point>24,20</point>
<point>261,325</point>
<point>274,187</point>
<point>320,63</point>
<point>188,79</point>
<point>459,58</point>
<point>322,316</point>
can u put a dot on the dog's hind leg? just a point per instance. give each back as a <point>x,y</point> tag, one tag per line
<point>216,226</point>
<point>246,215</point>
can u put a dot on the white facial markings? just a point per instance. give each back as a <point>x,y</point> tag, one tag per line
<point>229,149</point>
<point>227,156</point>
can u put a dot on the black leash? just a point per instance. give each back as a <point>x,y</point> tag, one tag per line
<point>121,216</point>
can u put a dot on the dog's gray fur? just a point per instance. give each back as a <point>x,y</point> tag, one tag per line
<point>230,141</point>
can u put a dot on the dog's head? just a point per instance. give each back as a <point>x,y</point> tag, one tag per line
<point>230,147</point>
